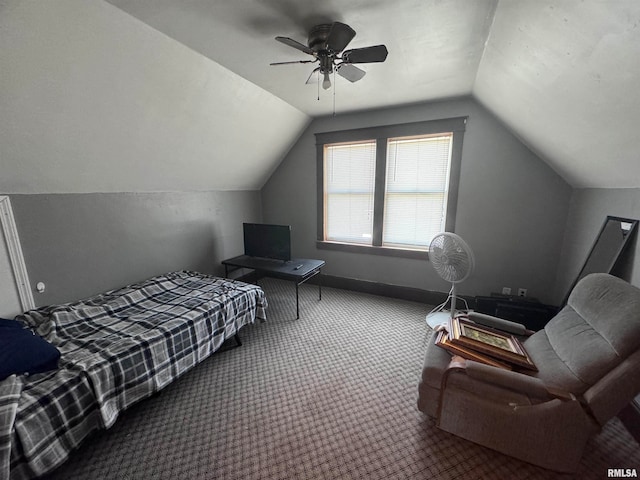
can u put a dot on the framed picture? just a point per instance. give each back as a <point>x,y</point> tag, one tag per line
<point>499,345</point>
<point>442,341</point>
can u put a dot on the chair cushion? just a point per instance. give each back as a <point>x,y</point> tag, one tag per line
<point>23,352</point>
<point>611,307</point>
<point>593,334</point>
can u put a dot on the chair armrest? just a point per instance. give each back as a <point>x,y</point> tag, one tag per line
<point>487,405</point>
<point>499,323</point>
<point>514,381</point>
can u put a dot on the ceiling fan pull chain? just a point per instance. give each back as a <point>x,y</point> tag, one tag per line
<point>318,86</point>
<point>334,92</point>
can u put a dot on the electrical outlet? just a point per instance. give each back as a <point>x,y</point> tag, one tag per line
<point>506,290</point>
<point>522,292</point>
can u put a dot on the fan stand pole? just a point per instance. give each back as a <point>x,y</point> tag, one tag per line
<point>439,314</point>
<point>453,301</point>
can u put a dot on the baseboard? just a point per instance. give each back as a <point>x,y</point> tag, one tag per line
<point>386,290</point>
<point>412,294</point>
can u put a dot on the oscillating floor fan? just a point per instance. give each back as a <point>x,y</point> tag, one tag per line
<point>453,260</point>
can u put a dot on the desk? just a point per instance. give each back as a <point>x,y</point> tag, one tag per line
<point>297,270</point>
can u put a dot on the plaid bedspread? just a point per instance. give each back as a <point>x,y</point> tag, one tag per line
<point>117,348</point>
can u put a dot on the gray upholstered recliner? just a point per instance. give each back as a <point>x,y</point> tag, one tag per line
<point>588,359</point>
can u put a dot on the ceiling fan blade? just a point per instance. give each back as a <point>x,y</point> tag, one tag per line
<point>309,82</point>
<point>339,36</point>
<point>377,53</point>
<point>295,44</point>
<point>295,61</point>
<point>350,72</point>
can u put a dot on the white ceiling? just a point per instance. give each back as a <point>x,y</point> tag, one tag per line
<point>563,75</point>
<point>435,47</point>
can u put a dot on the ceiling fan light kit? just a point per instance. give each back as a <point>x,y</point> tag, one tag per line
<point>326,43</point>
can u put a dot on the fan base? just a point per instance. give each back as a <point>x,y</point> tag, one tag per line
<point>438,318</point>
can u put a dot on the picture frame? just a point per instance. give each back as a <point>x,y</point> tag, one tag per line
<point>499,345</point>
<point>442,340</point>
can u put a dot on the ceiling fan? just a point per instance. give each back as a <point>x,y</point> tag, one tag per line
<point>326,43</point>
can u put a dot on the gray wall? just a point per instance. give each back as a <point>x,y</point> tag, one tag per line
<point>588,210</point>
<point>83,244</point>
<point>512,208</point>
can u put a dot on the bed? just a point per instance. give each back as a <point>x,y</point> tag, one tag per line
<point>117,348</point>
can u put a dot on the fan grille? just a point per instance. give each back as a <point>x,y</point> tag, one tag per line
<point>451,257</point>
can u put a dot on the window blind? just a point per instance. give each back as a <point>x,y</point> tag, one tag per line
<point>417,181</point>
<point>349,191</point>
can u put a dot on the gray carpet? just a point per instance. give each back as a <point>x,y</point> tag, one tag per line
<point>329,396</point>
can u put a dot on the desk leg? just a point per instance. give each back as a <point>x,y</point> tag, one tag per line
<point>297,303</point>
<point>319,285</point>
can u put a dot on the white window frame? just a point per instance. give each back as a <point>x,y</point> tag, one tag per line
<point>360,189</point>
<point>382,134</point>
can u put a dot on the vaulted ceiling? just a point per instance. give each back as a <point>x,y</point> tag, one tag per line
<point>563,75</point>
<point>143,95</point>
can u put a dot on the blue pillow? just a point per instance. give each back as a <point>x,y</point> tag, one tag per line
<point>23,352</point>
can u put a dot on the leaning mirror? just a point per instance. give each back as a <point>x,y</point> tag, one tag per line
<point>609,244</point>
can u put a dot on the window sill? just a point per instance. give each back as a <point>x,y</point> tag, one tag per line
<point>371,250</point>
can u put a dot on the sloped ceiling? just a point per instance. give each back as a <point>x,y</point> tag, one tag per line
<point>93,100</point>
<point>435,46</point>
<point>562,74</point>
<point>144,95</point>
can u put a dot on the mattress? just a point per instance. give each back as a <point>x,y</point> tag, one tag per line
<point>117,349</point>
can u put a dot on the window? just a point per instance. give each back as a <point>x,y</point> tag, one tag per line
<point>415,200</point>
<point>349,185</point>
<point>390,189</point>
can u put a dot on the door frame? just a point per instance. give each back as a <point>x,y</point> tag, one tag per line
<point>15,254</point>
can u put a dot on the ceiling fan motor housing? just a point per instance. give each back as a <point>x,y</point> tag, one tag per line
<point>318,43</point>
<point>318,35</point>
